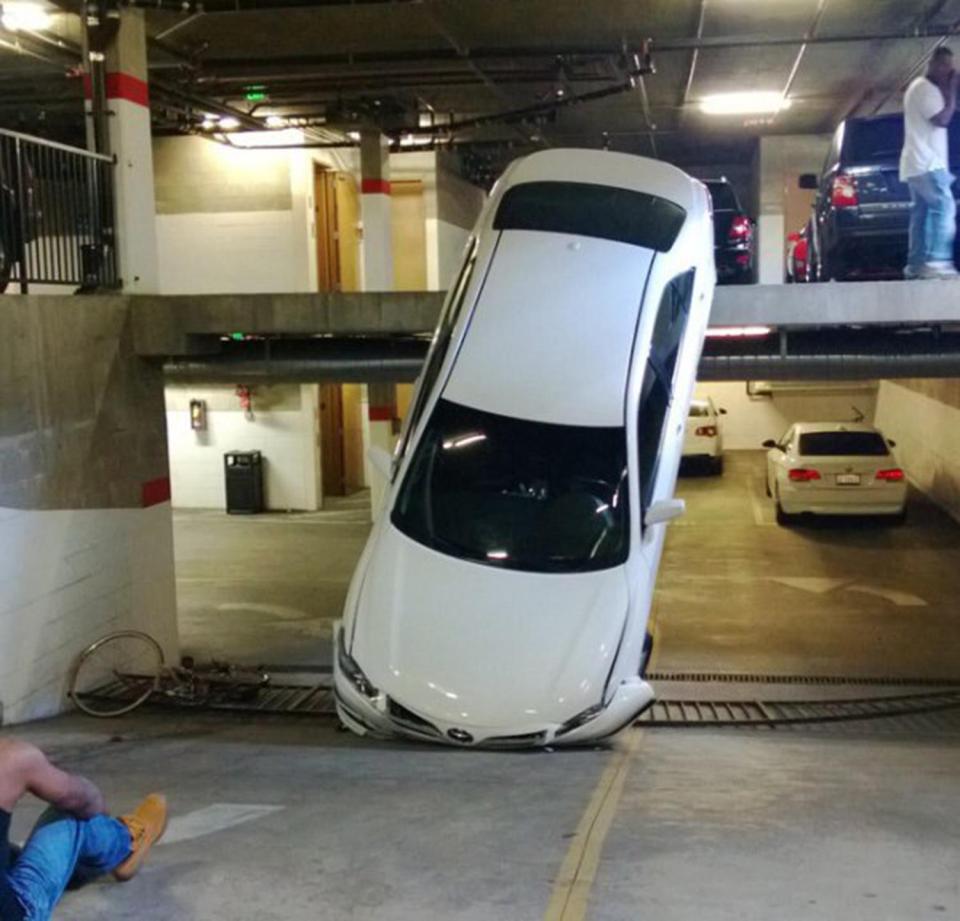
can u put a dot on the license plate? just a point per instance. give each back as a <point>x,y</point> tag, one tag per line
<point>848,479</point>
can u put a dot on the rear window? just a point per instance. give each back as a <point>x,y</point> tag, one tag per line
<point>842,444</point>
<point>873,140</point>
<point>723,196</point>
<point>590,210</point>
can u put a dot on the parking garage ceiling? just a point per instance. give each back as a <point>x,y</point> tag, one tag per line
<point>496,76</point>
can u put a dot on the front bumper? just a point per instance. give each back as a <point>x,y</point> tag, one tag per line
<point>384,717</point>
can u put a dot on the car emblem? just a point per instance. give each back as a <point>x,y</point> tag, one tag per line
<point>460,735</point>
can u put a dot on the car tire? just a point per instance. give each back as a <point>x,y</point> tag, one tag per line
<point>783,518</point>
<point>899,519</point>
<point>716,466</point>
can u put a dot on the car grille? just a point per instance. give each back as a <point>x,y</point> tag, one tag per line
<point>526,740</point>
<point>409,720</point>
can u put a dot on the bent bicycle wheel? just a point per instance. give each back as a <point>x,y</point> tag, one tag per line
<point>116,674</point>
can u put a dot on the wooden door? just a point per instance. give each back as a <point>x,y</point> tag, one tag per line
<point>325,224</point>
<point>331,440</point>
<point>408,225</point>
<point>354,475</point>
<point>347,232</point>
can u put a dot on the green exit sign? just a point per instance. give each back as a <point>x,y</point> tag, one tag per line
<point>255,95</point>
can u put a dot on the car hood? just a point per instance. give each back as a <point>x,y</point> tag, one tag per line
<point>464,643</point>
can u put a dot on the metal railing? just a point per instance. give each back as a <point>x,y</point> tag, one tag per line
<point>57,224</point>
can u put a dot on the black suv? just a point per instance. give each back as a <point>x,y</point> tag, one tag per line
<point>862,211</point>
<point>734,239</point>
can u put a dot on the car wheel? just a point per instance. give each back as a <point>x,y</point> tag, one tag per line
<point>900,518</point>
<point>782,517</point>
<point>716,466</point>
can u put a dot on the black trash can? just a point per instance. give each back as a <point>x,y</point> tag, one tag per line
<point>243,473</point>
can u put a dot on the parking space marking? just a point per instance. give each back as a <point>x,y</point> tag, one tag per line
<point>571,888</point>
<point>818,585</point>
<point>900,599</point>
<point>214,818</point>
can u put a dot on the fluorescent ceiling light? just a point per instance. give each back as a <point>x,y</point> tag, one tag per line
<point>28,17</point>
<point>275,121</point>
<point>229,123</point>
<point>277,137</point>
<point>738,332</point>
<point>748,103</point>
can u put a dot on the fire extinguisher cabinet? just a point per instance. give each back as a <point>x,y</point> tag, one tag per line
<point>243,473</point>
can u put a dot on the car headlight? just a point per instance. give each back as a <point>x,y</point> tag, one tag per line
<point>581,718</point>
<point>353,673</point>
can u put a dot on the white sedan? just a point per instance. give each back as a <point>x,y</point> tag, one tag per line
<point>703,437</point>
<point>830,468</point>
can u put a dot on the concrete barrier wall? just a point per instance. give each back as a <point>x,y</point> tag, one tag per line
<point>85,520</point>
<point>923,417</point>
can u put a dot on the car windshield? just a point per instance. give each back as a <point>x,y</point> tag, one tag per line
<point>517,494</point>
<point>874,140</point>
<point>723,197</point>
<point>842,444</point>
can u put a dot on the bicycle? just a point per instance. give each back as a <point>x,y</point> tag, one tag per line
<point>123,670</point>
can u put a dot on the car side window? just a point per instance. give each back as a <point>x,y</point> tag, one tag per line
<point>440,345</point>
<point>658,379</point>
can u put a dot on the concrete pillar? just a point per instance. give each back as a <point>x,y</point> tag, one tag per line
<point>375,210</point>
<point>129,107</point>
<point>85,518</point>
<point>782,159</point>
<point>381,413</point>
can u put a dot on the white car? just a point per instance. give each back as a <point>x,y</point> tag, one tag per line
<point>830,468</point>
<point>502,598</point>
<point>703,436</point>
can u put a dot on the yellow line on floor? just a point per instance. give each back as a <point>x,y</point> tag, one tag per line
<point>571,889</point>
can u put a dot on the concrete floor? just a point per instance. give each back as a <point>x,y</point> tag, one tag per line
<point>703,826</point>
<point>289,819</point>
<point>736,592</point>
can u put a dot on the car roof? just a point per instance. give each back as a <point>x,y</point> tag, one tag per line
<point>806,428</point>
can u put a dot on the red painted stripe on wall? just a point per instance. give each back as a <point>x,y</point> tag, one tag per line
<point>156,491</point>
<point>120,86</point>
<point>375,187</point>
<point>125,86</point>
<point>381,413</point>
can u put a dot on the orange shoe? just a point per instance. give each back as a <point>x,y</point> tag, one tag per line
<point>146,825</point>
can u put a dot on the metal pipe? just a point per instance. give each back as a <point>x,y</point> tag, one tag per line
<point>827,367</point>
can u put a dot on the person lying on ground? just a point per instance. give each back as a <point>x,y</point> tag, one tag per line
<point>74,841</point>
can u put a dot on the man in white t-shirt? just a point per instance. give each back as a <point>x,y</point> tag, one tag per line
<point>928,106</point>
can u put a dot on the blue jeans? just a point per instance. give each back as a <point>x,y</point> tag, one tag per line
<point>933,219</point>
<point>61,851</point>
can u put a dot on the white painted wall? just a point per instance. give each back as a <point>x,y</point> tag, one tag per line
<point>66,579</point>
<point>749,422</point>
<point>284,430</point>
<point>234,252</point>
<point>927,433</point>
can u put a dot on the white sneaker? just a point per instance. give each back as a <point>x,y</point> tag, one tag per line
<point>938,270</point>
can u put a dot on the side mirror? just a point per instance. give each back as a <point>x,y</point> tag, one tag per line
<point>382,460</point>
<point>891,442</point>
<point>663,511</point>
<point>808,181</point>
<point>770,443</point>
<point>722,411</point>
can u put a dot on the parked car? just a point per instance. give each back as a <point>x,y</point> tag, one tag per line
<point>862,210</point>
<point>703,438</point>
<point>504,593</point>
<point>798,256</point>
<point>734,239</point>
<point>829,468</point>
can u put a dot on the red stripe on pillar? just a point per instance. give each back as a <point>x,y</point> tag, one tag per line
<point>381,413</point>
<point>375,187</point>
<point>124,86</point>
<point>155,492</point>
